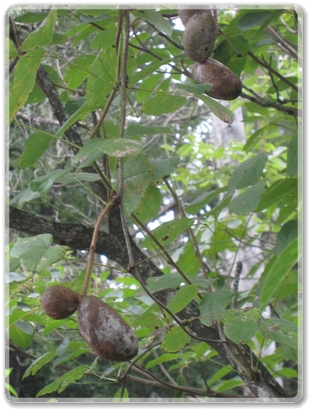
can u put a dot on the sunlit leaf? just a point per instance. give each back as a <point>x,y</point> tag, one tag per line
<point>182,298</point>
<point>159,105</point>
<point>175,339</point>
<point>241,325</point>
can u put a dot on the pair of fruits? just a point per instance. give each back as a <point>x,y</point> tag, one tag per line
<point>101,326</point>
<point>199,37</point>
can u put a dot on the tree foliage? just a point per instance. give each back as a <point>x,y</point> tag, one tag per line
<point>198,248</point>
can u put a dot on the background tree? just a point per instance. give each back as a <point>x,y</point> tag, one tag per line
<point>199,251</point>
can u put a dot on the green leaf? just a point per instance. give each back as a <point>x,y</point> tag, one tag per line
<point>252,19</point>
<point>159,105</point>
<point>292,157</point>
<point>277,192</point>
<point>175,339</point>
<point>276,271</point>
<point>168,232</point>
<point>101,80</point>
<point>118,147</point>
<point>149,319</point>
<point>51,325</point>
<point>105,39</point>
<point>188,261</point>
<point>117,395</point>
<point>78,177</point>
<point>64,381</point>
<point>35,147</point>
<point>247,201</point>
<point>81,112</point>
<point>23,81</point>
<point>282,331</point>
<point>36,253</point>
<point>241,325</point>
<point>149,205</point>
<point>23,197</point>
<point>39,363</point>
<point>136,130</point>
<point>22,333</point>
<point>286,235</point>
<point>163,282</point>
<point>196,205</point>
<point>195,88</point>
<point>223,113</point>
<point>213,304</point>
<point>148,86</point>
<point>247,173</point>
<point>227,55</point>
<point>78,70</point>
<point>44,183</point>
<point>31,17</point>
<point>150,69</point>
<point>161,359</point>
<point>137,178</point>
<point>163,167</point>
<point>10,46</point>
<point>182,298</point>
<point>155,19</point>
<point>43,35</point>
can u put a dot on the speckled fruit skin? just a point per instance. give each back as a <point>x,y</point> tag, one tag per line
<point>186,14</point>
<point>199,36</point>
<point>59,302</point>
<point>105,331</point>
<point>226,84</point>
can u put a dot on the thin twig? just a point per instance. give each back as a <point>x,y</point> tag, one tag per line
<point>93,247</point>
<point>276,73</point>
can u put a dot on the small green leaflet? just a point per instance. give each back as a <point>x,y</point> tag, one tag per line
<point>162,358</point>
<point>22,333</point>
<point>43,35</point>
<point>182,298</point>
<point>159,105</point>
<point>247,173</point>
<point>137,179</point>
<point>252,19</point>
<point>213,304</point>
<point>276,271</point>
<point>39,363</point>
<point>118,147</point>
<point>23,81</point>
<point>175,339</point>
<point>276,192</point>
<point>117,396</point>
<point>36,252</point>
<point>247,201</point>
<point>163,282</point>
<point>223,113</point>
<point>35,147</point>
<point>241,325</point>
<point>155,18</point>
<point>286,235</point>
<point>168,232</point>
<point>149,205</point>
<point>163,167</point>
<point>282,331</point>
<point>44,183</point>
<point>64,381</point>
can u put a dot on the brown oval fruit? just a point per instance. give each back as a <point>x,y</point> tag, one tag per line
<point>199,36</point>
<point>186,14</point>
<point>226,84</point>
<point>59,302</point>
<point>105,331</point>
